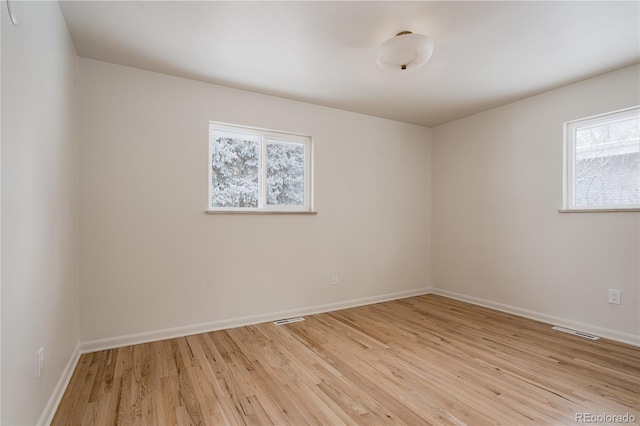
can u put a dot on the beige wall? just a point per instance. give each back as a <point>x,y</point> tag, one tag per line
<point>39,207</point>
<point>152,260</point>
<point>497,233</point>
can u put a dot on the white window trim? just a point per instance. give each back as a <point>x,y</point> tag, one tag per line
<point>568,186</point>
<point>266,135</point>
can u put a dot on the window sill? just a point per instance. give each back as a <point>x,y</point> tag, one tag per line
<point>259,212</point>
<point>629,210</point>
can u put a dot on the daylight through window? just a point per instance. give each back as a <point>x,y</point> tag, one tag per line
<point>602,168</point>
<point>254,170</point>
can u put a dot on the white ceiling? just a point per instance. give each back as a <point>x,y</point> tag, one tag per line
<point>486,53</point>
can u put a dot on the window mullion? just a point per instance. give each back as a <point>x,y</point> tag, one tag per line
<point>569,166</point>
<point>263,172</point>
<point>572,167</point>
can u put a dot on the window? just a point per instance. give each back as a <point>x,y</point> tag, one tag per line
<point>259,170</point>
<point>602,161</point>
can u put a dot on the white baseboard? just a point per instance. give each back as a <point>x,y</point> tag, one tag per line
<point>50,409</point>
<point>133,339</point>
<point>628,338</point>
<point>151,336</point>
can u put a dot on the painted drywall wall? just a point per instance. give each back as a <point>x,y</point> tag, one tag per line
<point>40,207</point>
<point>497,233</point>
<point>1,4</point>
<point>153,260</point>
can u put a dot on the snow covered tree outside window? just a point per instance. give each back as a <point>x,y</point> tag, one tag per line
<point>285,173</point>
<point>234,170</point>
<point>604,161</point>
<point>251,169</point>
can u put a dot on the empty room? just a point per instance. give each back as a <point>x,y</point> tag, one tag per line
<point>319,212</point>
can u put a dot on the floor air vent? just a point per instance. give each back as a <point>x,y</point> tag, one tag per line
<point>576,333</point>
<point>288,321</point>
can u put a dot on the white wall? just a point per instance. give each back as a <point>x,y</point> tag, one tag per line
<point>497,233</point>
<point>40,207</point>
<point>1,4</point>
<point>151,259</point>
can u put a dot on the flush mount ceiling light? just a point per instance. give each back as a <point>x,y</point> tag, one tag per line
<point>405,51</point>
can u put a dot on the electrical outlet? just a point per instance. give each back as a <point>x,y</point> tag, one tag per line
<point>40,362</point>
<point>334,279</point>
<point>614,296</point>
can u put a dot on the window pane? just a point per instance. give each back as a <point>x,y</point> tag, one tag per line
<point>234,170</point>
<point>285,173</point>
<point>607,163</point>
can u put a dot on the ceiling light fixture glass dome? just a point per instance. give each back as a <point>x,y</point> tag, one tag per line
<point>405,51</point>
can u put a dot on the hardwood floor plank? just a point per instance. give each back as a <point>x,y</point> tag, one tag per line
<point>169,391</point>
<point>420,360</point>
<point>124,407</point>
<point>82,401</point>
<point>90,414</point>
<point>108,403</point>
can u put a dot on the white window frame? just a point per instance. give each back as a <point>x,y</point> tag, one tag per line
<point>570,155</point>
<point>264,137</point>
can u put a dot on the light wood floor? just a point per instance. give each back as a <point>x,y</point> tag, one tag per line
<point>421,360</point>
